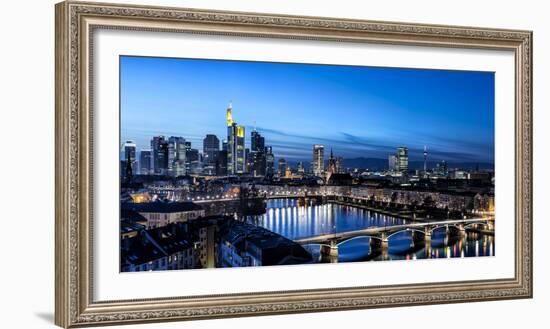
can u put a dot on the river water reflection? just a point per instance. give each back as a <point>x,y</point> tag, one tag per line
<point>286,217</point>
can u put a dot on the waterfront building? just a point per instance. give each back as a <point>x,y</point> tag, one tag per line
<point>236,162</point>
<point>177,155</point>
<point>159,148</point>
<point>243,244</point>
<point>210,242</point>
<point>130,155</point>
<point>318,163</point>
<point>210,148</point>
<point>161,213</point>
<point>484,202</point>
<point>145,162</point>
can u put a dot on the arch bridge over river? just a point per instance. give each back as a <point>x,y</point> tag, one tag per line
<point>380,236</point>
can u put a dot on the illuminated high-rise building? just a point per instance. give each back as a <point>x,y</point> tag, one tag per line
<point>282,166</point>
<point>257,142</point>
<point>159,148</point>
<point>339,165</point>
<point>192,159</point>
<point>257,155</point>
<point>248,160</point>
<point>441,168</point>
<point>269,162</point>
<point>402,159</point>
<point>236,159</point>
<point>318,163</point>
<point>177,154</point>
<point>130,155</point>
<point>258,160</point>
<point>221,163</point>
<point>392,162</point>
<point>145,162</point>
<point>210,148</point>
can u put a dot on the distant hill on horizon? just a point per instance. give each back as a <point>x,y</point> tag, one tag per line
<point>382,164</point>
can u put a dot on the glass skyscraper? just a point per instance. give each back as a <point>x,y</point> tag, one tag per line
<point>402,159</point>
<point>176,156</point>
<point>159,147</point>
<point>130,155</point>
<point>210,148</point>
<point>145,162</point>
<point>236,162</point>
<point>318,163</point>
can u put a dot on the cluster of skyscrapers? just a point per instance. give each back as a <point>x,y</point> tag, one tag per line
<point>399,163</point>
<point>175,156</point>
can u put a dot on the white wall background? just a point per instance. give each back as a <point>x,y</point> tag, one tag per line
<point>27,163</point>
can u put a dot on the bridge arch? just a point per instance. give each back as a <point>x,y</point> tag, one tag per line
<point>484,224</point>
<point>359,237</point>
<point>406,230</point>
<point>437,227</point>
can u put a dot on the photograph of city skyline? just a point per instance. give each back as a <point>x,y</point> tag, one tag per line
<point>238,163</point>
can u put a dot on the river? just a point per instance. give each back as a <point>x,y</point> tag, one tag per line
<point>287,218</point>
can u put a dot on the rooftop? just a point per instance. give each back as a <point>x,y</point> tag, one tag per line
<point>275,249</point>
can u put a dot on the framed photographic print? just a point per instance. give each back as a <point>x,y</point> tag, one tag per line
<point>219,164</point>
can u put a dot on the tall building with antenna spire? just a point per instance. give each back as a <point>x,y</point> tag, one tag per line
<point>425,158</point>
<point>236,163</point>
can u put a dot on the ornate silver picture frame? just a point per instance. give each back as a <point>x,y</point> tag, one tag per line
<point>76,22</point>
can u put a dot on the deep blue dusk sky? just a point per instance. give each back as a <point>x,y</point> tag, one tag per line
<point>358,111</point>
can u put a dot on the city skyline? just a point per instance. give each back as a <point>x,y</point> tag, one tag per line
<point>465,135</point>
<point>239,164</point>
